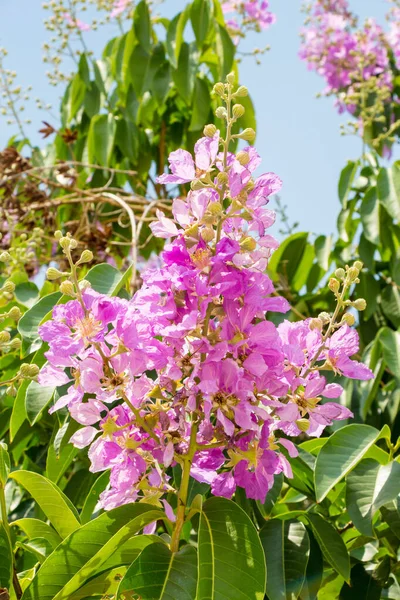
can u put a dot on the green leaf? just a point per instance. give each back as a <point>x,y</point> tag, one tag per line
<point>34,528</point>
<point>362,586</point>
<point>138,69</point>
<point>369,212</point>
<point>4,464</point>
<point>390,302</point>
<point>271,497</point>
<point>29,322</point>
<point>142,25</point>
<point>174,38</point>
<point>287,258</point>
<point>76,96</point>
<point>390,341</point>
<point>101,138</point>
<point>58,463</point>
<point>346,180</point>
<point>323,247</point>
<point>314,571</point>
<point>388,187</point>
<point>6,560</point>
<point>160,574</point>
<point>344,449</point>
<point>225,49</point>
<point>161,81</point>
<point>105,279</point>
<point>332,546</point>
<point>93,496</point>
<point>27,293</point>
<point>37,398</point>
<point>231,558</point>
<point>200,19</point>
<point>55,505</point>
<point>183,76</point>
<point>104,585</point>
<point>201,105</point>
<point>370,486</point>
<point>287,547</point>
<point>83,553</point>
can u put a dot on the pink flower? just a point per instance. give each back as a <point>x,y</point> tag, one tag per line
<point>76,22</point>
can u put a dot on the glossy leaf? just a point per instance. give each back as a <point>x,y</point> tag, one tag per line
<point>101,139</point>
<point>184,74</point>
<point>93,496</point>
<point>201,105</point>
<point>343,450</point>
<point>106,279</point>
<point>142,25</point>
<point>346,180</point>
<point>388,187</point>
<point>37,398</point>
<point>314,571</point>
<point>225,51</point>
<point>6,560</point>
<point>29,322</point>
<point>4,464</point>
<point>231,558</point>
<point>160,574</point>
<point>369,212</point>
<point>390,341</point>
<point>55,505</point>
<point>34,528</point>
<point>82,554</point>
<point>287,547</point>
<point>200,19</point>
<point>370,486</point>
<point>331,544</point>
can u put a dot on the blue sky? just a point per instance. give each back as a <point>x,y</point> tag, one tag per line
<point>298,135</point>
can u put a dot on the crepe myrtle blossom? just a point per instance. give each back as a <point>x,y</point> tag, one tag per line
<point>254,13</point>
<point>191,373</point>
<point>76,23</point>
<point>119,7</point>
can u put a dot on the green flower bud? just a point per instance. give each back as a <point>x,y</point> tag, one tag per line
<point>325,317</point>
<point>334,285</point>
<point>210,130</point>
<point>230,78</point>
<point>241,92</point>
<point>248,134</point>
<point>243,157</point>
<point>219,89</point>
<point>359,304</point>
<point>215,208</point>
<point>84,284</point>
<point>221,113</point>
<point>358,265</point>
<point>5,257</point>
<point>67,288</point>
<point>86,256</point>
<point>8,287</point>
<point>353,273</point>
<point>340,273</point>
<point>28,371</point>
<point>58,234</point>
<point>15,344</point>
<point>11,391</point>
<point>222,177</point>
<point>65,242</point>
<point>4,337</point>
<point>349,319</point>
<point>238,111</point>
<point>52,274</point>
<point>14,313</point>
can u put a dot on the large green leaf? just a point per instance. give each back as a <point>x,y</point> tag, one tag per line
<point>287,258</point>
<point>332,546</point>
<point>101,138</point>
<point>76,95</point>
<point>34,528</point>
<point>370,486</point>
<point>142,25</point>
<point>200,19</point>
<point>93,496</point>
<point>55,505</point>
<point>369,212</point>
<point>4,464</point>
<point>104,586</point>
<point>225,49</point>
<point>390,341</point>
<point>183,76</point>
<point>84,552</point>
<point>314,571</point>
<point>323,247</point>
<point>159,574</point>
<point>231,558</point>
<point>106,279</point>
<point>6,560</point>
<point>388,186</point>
<point>346,180</point>
<point>362,586</point>
<point>201,105</point>
<point>287,547</point>
<point>36,399</point>
<point>175,32</point>
<point>344,449</point>
<point>29,322</point>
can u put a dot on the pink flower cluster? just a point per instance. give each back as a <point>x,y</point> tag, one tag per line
<point>192,361</point>
<point>250,14</point>
<point>342,54</point>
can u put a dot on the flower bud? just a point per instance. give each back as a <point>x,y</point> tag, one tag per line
<point>340,273</point>
<point>196,185</point>
<point>358,265</point>
<point>14,313</point>
<point>241,92</point>
<point>303,424</point>
<point>230,78</point>
<point>8,287</point>
<point>208,218</point>
<point>316,324</point>
<point>5,257</point>
<point>207,233</point>
<point>349,319</point>
<point>222,177</point>
<point>248,244</point>
<point>58,234</point>
<point>359,304</point>
<point>11,391</point>
<point>65,242</point>
<point>219,89</point>
<point>243,158</point>
<point>215,208</point>
<point>84,284</point>
<point>73,244</point>
<point>86,256</point>
<point>67,288</point>
<point>4,337</point>
<point>238,111</point>
<point>52,274</point>
<point>353,273</point>
<point>15,344</point>
<point>334,285</point>
<point>192,231</point>
<point>28,371</point>
<point>221,113</point>
<point>325,317</point>
<point>210,130</point>
<point>248,134</point>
